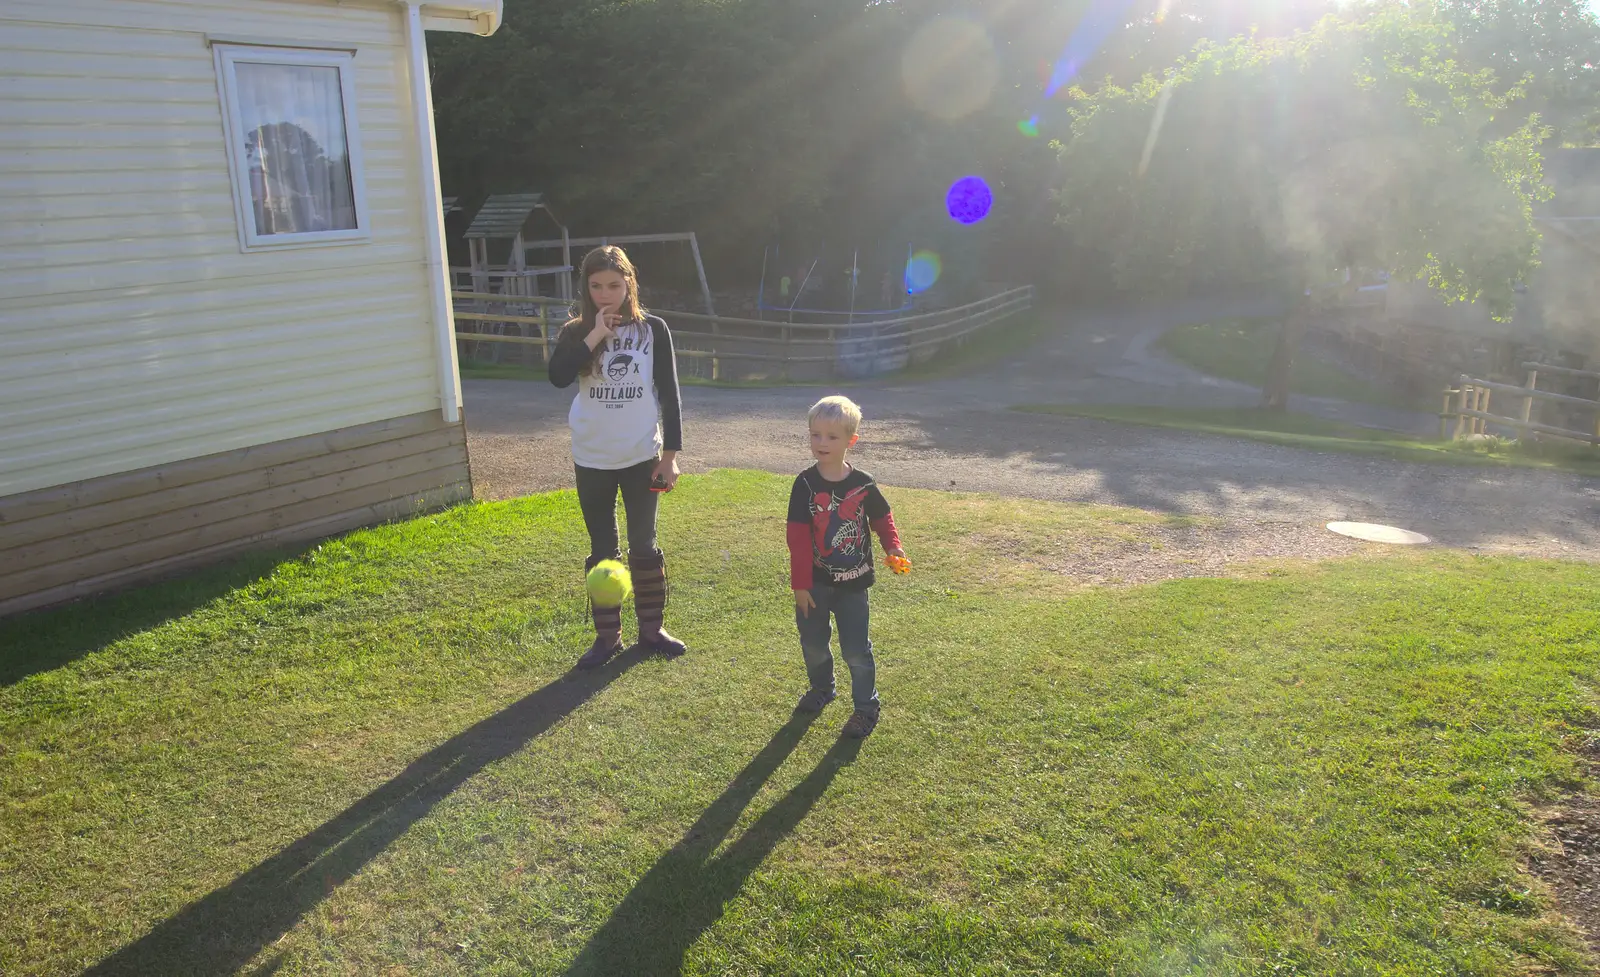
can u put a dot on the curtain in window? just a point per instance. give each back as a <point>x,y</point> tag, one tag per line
<point>297,155</point>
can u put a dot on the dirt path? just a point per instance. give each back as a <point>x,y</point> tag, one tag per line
<point>958,434</point>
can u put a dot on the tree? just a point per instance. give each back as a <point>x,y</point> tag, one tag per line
<point>1550,47</point>
<point>718,115</point>
<point>736,117</point>
<point>1282,161</point>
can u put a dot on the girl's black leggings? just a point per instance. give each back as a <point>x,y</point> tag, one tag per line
<point>597,497</point>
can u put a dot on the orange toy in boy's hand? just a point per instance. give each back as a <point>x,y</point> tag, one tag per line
<point>898,564</point>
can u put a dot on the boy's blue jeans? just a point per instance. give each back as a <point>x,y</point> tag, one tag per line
<point>851,609</point>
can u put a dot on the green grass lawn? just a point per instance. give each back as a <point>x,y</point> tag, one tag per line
<point>1318,434</point>
<point>994,344</point>
<point>1241,349</point>
<point>485,370</point>
<point>369,758</point>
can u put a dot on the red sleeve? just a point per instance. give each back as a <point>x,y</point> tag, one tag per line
<point>800,556</point>
<point>887,534</point>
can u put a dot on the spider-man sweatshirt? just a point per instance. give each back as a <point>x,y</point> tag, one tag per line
<point>829,523</point>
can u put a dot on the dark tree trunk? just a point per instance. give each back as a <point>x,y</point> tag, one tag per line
<point>1275,391</point>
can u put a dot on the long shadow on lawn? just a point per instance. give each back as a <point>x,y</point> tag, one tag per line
<point>220,933</point>
<point>683,894</point>
<point>39,641</point>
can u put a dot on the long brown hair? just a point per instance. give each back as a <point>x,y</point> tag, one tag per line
<point>607,257</point>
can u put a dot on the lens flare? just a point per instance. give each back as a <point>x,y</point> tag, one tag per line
<point>1155,127</point>
<point>950,68</point>
<point>969,200</point>
<point>1100,21</point>
<point>922,271</point>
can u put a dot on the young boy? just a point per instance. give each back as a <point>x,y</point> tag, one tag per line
<point>831,508</point>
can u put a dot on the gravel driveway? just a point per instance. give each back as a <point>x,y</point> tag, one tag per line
<point>958,434</point>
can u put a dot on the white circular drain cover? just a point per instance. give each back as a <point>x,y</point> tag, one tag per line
<point>1374,533</point>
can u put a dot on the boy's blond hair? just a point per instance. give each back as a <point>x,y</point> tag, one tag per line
<point>836,409</point>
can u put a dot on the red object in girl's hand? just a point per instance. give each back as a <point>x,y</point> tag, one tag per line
<point>659,484</point>
<point>898,564</point>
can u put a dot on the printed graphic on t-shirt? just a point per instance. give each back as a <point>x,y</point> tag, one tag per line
<point>839,533</point>
<point>617,369</point>
<point>621,377</point>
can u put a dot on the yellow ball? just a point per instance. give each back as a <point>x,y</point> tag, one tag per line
<point>609,583</point>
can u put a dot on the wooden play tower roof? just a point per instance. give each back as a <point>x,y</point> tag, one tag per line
<point>503,215</point>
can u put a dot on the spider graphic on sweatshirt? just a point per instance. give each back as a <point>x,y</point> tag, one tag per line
<point>839,527</point>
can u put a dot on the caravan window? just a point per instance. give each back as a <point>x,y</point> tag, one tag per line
<point>293,149</point>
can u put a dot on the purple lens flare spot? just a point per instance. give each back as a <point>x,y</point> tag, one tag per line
<point>969,200</point>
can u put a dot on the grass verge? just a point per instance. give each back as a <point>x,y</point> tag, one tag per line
<point>995,344</point>
<point>1241,350</point>
<point>484,370</point>
<point>1318,434</point>
<point>370,759</point>
<point>990,346</point>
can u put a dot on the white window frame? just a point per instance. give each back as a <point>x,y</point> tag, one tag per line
<point>226,56</point>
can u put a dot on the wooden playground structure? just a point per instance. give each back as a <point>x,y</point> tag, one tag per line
<point>512,300</point>
<point>499,226</point>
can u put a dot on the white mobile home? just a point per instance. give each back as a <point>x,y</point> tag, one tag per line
<point>224,311</point>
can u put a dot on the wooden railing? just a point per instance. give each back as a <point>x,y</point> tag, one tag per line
<point>1473,397</point>
<point>705,342</point>
<point>535,319</point>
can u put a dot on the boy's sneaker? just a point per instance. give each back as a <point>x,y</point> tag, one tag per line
<point>814,700</point>
<point>860,724</point>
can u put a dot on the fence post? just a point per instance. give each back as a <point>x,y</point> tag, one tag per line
<point>1527,405</point>
<point>1461,409</point>
<point>716,363</point>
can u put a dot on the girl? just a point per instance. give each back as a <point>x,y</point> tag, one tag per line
<point>626,434</point>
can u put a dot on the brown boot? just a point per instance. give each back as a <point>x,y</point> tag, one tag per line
<point>602,651</point>
<point>650,603</point>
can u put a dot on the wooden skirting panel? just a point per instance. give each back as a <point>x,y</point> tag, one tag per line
<point>60,543</point>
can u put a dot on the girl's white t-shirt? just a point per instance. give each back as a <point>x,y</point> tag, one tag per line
<point>616,416</point>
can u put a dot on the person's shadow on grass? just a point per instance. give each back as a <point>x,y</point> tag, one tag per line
<point>221,932</point>
<point>683,894</point>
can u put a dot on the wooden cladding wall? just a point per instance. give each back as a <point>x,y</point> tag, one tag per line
<point>64,542</point>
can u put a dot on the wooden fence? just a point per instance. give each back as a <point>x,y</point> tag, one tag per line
<point>487,322</point>
<point>1469,403</point>
<point>723,347</point>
